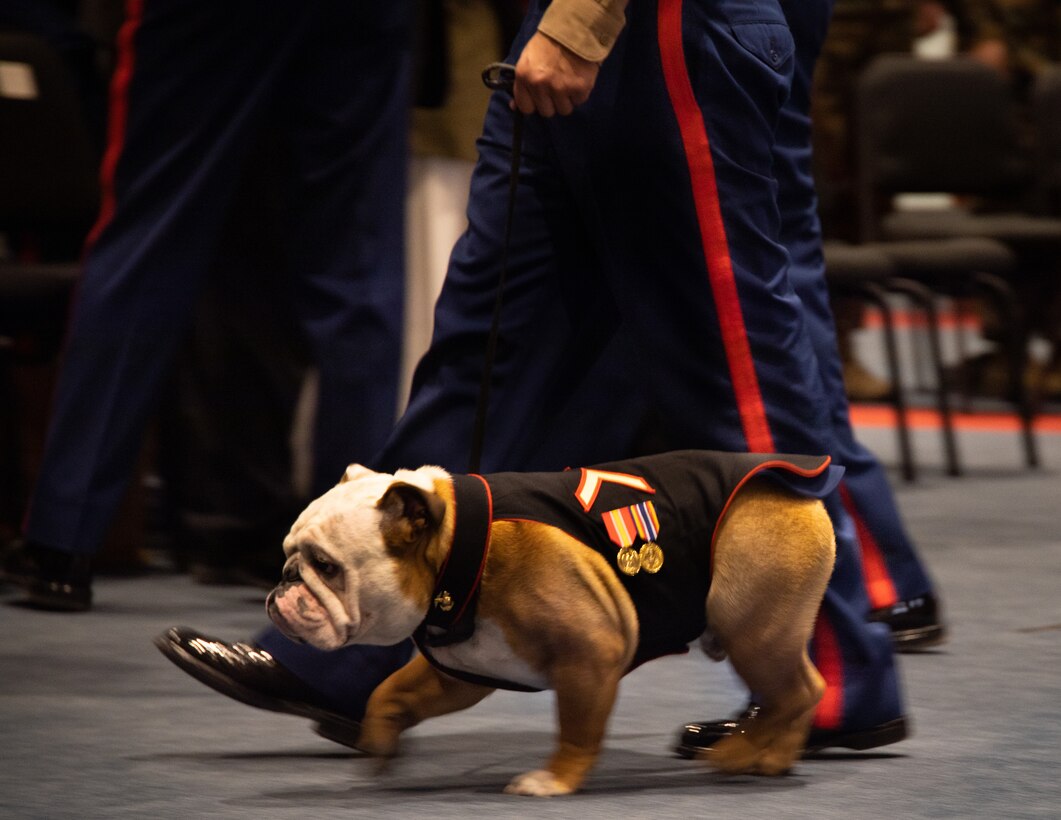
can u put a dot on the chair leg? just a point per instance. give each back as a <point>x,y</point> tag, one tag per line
<point>925,299</point>
<point>963,384</point>
<point>1016,337</point>
<point>919,341</point>
<point>12,495</point>
<point>877,296</point>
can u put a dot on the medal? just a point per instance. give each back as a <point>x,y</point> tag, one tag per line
<point>651,557</point>
<point>628,560</point>
<point>624,526</point>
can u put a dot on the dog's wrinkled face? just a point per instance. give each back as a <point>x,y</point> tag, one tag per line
<point>354,557</point>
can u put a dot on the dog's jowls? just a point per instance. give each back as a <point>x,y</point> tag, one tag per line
<point>362,562</point>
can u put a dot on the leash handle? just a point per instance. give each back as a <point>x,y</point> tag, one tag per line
<point>500,77</point>
<point>497,77</point>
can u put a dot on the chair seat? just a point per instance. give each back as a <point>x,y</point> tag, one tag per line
<point>938,258</point>
<point>856,263</point>
<point>30,291</point>
<point>1013,228</point>
<point>33,306</point>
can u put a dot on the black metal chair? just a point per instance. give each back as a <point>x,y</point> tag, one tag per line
<point>949,126</point>
<point>48,189</point>
<point>860,272</point>
<point>878,272</point>
<point>1046,115</point>
<point>49,166</point>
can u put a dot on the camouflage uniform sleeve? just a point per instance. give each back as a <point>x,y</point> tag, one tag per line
<point>1029,29</point>
<point>587,27</point>
<point>980,20</point>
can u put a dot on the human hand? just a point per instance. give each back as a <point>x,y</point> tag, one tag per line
<point>551,79</point>
<point>993,53</point>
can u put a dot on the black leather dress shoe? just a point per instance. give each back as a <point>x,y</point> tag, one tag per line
<point>915,624</point>
<point>699,737</point>
<point>53,579</point>
<point>252,676</point>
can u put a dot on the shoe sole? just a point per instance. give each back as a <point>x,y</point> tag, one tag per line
<point>910,640</point>
<point>48,595</point>
<point>338,729</point>
<point>339,733</point>
<point>860,740</point>
<point>45,596</point>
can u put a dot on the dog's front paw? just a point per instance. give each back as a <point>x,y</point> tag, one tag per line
<point>539,783</point>
<point>378,738</point>
<point>383,766</point>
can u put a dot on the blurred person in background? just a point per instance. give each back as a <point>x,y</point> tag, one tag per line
<point>194,88</point>
<point>1017,38</point>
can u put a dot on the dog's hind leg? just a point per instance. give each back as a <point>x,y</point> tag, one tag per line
<point>773,557</point>
<point>772,741</point>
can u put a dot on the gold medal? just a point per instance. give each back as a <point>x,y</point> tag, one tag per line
<point>628,560</point>
<point>651,557</point>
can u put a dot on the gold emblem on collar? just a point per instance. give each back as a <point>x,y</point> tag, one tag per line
<point>444,601</point>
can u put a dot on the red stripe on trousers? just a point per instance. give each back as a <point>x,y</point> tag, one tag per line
<point>829,661</point>
<point>879,585</point>
<point>117,116</point>
<point>712,230</point>
<point>727,304</point>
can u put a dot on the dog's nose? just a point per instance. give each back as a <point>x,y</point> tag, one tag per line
<point>291,573</point>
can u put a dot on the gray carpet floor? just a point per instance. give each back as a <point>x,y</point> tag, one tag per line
<point>95,723</point>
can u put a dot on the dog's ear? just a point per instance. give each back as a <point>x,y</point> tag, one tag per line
<point>355,471</point>
<point>409,513</point>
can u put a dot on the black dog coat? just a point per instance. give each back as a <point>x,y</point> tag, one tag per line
<point>674,500</point>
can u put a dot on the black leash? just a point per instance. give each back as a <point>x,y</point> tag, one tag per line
<point>497,77</point>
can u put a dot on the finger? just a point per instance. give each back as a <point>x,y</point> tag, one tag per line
<point>564,104</point>
<point>543,101</point>
<point>522,98</point>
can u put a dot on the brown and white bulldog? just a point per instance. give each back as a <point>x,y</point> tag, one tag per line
<point>500,589</point>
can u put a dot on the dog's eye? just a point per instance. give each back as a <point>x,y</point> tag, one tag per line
<point>324,567</point>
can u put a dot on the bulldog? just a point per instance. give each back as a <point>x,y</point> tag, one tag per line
<point>566,581</point>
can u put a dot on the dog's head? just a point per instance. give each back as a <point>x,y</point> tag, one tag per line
<point>362,559</point>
